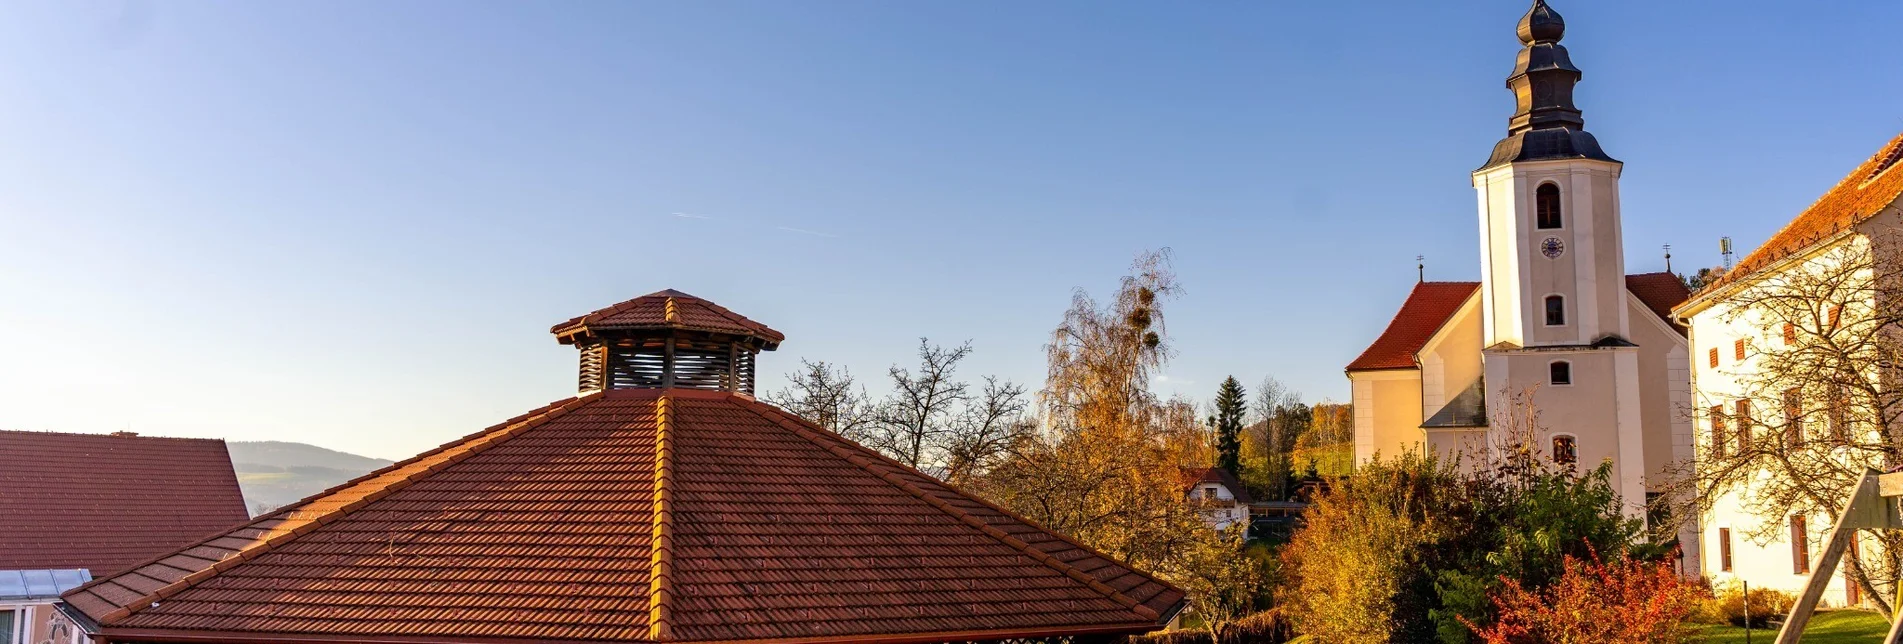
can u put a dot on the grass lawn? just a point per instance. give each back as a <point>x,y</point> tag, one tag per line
<point>1833,627</point>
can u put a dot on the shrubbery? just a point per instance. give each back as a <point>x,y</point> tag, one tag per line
<point>1627,601</point>
<point>1727,602</point>
<point>1415,549</point>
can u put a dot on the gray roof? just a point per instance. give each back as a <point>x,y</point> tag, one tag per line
<point>40,584</point>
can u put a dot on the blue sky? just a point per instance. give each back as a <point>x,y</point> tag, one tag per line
<point>351,223</point>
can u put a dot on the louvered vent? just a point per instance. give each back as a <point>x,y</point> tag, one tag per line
<point>667,340</point>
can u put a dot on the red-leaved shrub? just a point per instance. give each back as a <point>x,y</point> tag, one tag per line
<point>1625,602</point>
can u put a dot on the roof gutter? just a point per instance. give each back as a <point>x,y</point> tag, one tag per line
<point>156,635</point>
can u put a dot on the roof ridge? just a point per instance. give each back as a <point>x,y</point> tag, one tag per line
<point>661,567</point>
<point>400,476</point>
<point>859,458</point>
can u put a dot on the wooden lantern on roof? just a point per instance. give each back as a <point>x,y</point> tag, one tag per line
<point>667,340</point>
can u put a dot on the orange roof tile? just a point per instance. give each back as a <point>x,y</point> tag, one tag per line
<point>635,515</point>
<point>1873,185</point>
<point>669,309</point>
<point>1428,307</point>
<point>104,502</point>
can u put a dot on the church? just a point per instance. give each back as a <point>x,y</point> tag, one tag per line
<point>1555,320</point>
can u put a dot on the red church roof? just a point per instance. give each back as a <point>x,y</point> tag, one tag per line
<point>634,515</point>
<point>104,502</point>
<point>1428,307</point>
<point>1660,292</point>
<point>669,309</point>
<point>1431,304</point>
<point>1874,184</point>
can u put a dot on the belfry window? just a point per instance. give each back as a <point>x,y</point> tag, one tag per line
<point>1561,372</point>
<point>1546,206</point>
<point>1555,310</point>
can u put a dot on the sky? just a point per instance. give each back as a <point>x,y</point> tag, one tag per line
<point>351,224</point>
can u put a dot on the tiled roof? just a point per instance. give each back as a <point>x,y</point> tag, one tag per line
<point>104,502</point>
<point>1660,292</point>
<point>1218,475</point>
<point>1874,184</point>
<point>1428,307</point>
<point>669,309</point>
<point>635,515</point>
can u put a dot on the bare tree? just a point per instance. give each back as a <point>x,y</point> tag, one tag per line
<point>825,394</point>
<point>987,429</point>
<point>1274,405</point>
<point>916,418</point>
<point>1815,403</point>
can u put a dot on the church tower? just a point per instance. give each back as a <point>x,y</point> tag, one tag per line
<point>1552,264</point>
<point>1554,301</point>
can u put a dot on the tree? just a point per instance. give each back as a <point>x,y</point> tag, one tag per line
<point>1106,467</point>
<point>989,427</point>
<point>1818,395</point>
<point>1703,278</point>
<point>1281,423</point>
<point>825,395</point>
<point>1231,404</point>
<point>915,419</point>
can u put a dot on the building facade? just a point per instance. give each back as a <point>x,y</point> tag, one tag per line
<point>1788,381</point>
<point>1555,322</point>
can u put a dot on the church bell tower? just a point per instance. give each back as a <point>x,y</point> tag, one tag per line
<point>1552,264</point>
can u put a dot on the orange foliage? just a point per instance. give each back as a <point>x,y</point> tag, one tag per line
<point>1625,602</point>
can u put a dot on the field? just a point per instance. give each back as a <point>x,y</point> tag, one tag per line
<point>1834,627</point>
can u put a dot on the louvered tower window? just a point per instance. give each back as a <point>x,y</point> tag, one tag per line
<point>667,340</point>
<point>1546,206</point>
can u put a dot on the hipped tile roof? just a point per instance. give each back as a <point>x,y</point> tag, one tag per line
<point>104,502</point>
<point>635,515</point>
<point>669,309</point>
<point>1428,307</point>
<point>1873,185</point>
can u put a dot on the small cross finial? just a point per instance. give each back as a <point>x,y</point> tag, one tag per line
<point>1420,266</point>
<point>1668,258</point>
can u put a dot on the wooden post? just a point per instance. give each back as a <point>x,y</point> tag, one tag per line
<point>1865,509</point>
<point>667,364</point>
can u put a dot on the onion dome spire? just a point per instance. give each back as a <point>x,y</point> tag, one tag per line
<point>1546,124</point>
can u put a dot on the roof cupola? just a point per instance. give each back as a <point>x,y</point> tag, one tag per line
<point>1545,123</point>
<point>667,340</point>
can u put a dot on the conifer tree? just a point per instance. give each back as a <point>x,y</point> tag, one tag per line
<point>1231,403</point>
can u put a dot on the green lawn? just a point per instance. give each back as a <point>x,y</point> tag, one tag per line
<point>1833,627</point>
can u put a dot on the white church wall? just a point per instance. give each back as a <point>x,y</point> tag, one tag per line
<point>1387,412</point>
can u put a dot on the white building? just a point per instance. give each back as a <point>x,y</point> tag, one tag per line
<point>1554,312</point>
<point>1749,330</point>
<point>1223,500</point>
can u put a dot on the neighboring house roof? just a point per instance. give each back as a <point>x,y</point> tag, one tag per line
<point>103,502</point>
<point>1660,292</point>
<point>1199,475</point>
<point>669,309</point>
<point>1873,185</point>
<point>1428,307</point>
<point>1431,304</point>
<point>634,515</point>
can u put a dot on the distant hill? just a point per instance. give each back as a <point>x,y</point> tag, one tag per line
<point>275,473</point>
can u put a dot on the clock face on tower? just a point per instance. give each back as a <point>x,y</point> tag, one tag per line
<point>1552,248</point>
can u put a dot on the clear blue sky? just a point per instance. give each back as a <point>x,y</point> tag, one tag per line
<point>351,224</point>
